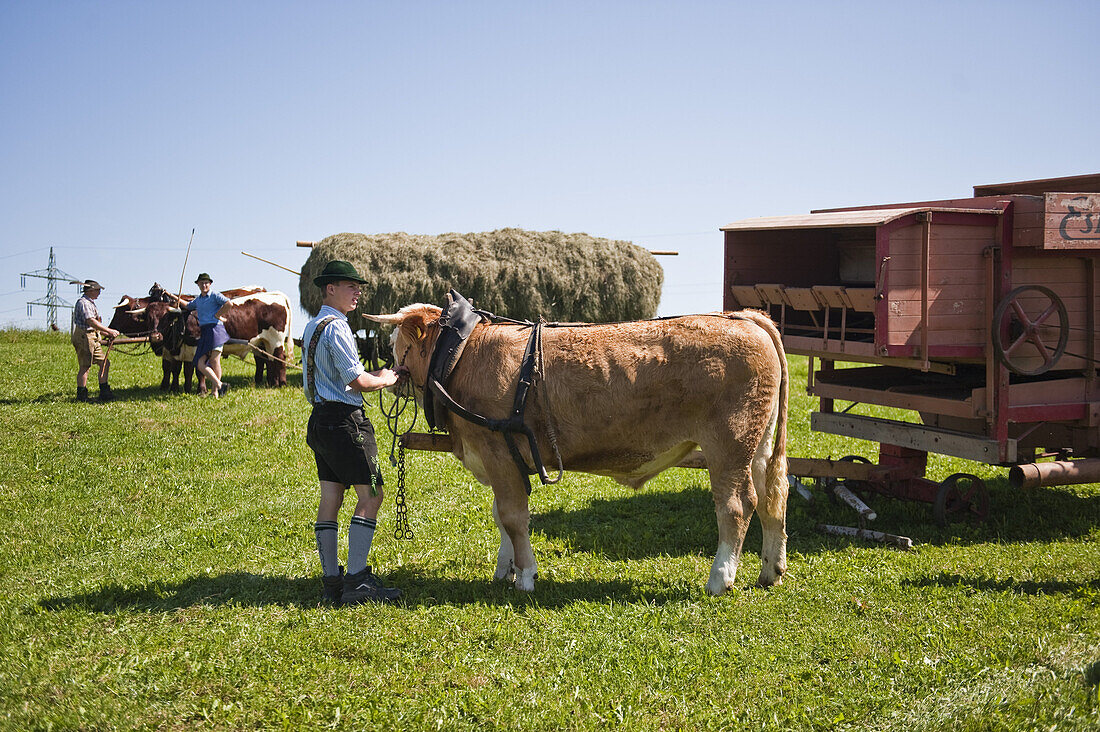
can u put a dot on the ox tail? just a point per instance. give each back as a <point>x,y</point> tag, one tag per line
<point>776,475</point>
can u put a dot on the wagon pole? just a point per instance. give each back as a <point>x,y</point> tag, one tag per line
<point>254,347</point>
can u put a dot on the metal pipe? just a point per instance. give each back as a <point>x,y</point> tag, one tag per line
<point>1059,472</point>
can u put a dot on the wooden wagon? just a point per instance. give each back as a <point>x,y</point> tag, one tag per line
<point>977,314</point>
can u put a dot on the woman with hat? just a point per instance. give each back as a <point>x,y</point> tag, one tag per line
<point>87,325</point>
<point>342,438</point>
<point>208,306</point>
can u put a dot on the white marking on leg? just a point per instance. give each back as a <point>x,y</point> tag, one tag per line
<point>525,578</point>
<point>506,554</point>
<point>724,571</point>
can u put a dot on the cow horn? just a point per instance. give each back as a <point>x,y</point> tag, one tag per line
<point>388,319</point>
<point>175,310</point>
<point>140,311</point>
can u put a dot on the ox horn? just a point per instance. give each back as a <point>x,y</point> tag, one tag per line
<point>388,319</point>
<point>140,311</point>
<point>175,310</point>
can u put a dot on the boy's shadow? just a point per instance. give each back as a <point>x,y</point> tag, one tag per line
<point>247,589</point>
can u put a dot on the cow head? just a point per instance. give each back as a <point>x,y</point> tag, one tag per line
<point>414,335</point>
<point>174,326</point>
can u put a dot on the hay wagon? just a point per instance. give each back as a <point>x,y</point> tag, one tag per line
<point>978,315</point>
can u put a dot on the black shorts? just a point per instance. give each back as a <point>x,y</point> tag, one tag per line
<point>342,440</point>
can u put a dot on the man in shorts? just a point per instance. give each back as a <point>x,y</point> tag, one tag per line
<point>342,438</point>
<point>86,329</point>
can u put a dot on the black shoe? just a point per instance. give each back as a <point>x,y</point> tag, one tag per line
<point>105,393</point>
<point>82,394</point>
<point>364,587</point>
<point>332,587</point>
<point>223,389</point>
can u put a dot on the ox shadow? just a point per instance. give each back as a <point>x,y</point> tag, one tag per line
<point>243,589</point>
<point>637,526</point>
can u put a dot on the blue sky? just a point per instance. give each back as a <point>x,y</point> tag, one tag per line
<point>123,125</point>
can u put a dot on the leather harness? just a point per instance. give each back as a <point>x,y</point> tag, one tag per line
<point>455,326</point>
<point>456,323</point>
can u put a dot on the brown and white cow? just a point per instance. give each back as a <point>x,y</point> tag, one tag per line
<point>258,324</point>
<point>628,400</point>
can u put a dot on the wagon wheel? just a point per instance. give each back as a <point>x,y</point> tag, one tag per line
<point>1013,326</point>
<point>961,497</point>
<point>856,486</point>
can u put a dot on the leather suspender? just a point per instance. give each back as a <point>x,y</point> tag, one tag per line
<point>311,352</point>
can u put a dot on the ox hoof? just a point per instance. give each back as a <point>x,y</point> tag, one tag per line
<point>716,590</point>
<point>525,580</point>
<point>766,581</point>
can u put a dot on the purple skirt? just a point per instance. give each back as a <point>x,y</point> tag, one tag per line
<point>212,336</point>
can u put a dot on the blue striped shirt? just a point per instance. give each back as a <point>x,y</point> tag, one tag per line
<point>336,359</point>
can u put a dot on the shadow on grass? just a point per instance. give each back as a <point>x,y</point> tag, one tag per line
<point>682,523</point>
<point>138,393</point>
<point>244,589</point>
<point>1017,587</point>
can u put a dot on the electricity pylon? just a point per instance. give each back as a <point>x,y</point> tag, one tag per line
<point>52,301</point>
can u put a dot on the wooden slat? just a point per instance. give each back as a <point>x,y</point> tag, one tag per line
<point>928,439</point>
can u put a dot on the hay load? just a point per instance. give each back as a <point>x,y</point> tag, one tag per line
<point>511,272</point>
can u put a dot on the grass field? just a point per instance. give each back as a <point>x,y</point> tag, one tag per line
<point>159,571</point>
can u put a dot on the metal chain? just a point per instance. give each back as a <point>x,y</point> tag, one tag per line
<point>402,530</point>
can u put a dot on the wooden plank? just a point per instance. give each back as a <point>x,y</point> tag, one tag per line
<point>425,441</point>
<point>966,278</point>
<point>928,439</point>
<point>1072,221</point>
<point>899,400</point>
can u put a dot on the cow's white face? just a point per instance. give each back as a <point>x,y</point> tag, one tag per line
<point>415,330</point>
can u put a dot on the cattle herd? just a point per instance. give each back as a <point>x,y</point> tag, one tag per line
<point>259,324</point>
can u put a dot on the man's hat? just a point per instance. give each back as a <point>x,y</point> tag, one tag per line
<point>206,277</point>
<point>337,270</point>
<point>92,285</point>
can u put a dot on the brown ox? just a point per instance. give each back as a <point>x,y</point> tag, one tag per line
<point>628,400</point>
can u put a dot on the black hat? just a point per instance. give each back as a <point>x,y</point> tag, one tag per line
<point>337,270</point>
<point>204,276</point>
<point>92,285</point>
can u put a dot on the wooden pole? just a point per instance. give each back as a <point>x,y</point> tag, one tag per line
<point>185,258</point>
<point>288,269</point>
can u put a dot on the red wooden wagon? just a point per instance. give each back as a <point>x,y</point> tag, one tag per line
<point>978,314</point>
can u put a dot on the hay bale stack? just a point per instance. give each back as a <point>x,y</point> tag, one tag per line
<point>511,272</point>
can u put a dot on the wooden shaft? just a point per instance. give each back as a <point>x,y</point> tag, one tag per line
<point>663,253</point>
<point>306,244</point>
<point>288,269</point>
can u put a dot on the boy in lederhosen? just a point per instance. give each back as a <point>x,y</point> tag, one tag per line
<point>342,438</point>
<point>86,329</point>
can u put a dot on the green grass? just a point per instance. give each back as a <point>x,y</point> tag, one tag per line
<point>159,571</point>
